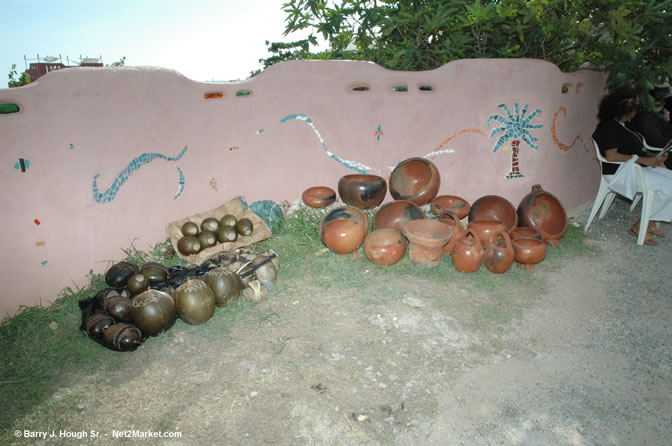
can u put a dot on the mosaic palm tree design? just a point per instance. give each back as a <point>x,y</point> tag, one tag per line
<point>516,126</point>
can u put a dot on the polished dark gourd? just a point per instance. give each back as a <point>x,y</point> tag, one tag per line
<point>118,274</point>
<point>119,308</point>
<point>154,272</point>
<point>195,301</point>
<point>210,224</point>
<point>153,312</point>
<point>190,228</point>
<point>96,324</point>
<point>189,245</point>
<point>227,234</point>
<point>122,336</point>
<point>207,238</point>
<point>228,220</point>
<point>105,295</point>
<point>225,285</point>
<point>244,226</point>
<point>137,284</point>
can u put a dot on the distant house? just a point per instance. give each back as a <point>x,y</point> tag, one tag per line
<point>39,69</point>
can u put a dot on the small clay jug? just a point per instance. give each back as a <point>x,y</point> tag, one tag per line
<point>499,254</point>
<point>486,229</point>
<point>468,252</point>
<point>452,220</point>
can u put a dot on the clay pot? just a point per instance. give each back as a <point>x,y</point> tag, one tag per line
<point>443,203</point>
<point>362,191</point>
<point>528,251</point>
<point>396,214</point>
<point>468,253</point>
<point>416,180</point>
<point>499,253</point>
<point>385,246</point>
<point>118,275</point>
<point>486,229</point>
<point>452,220</point>
<point>426,241</point>
<point>225,284</point>
<point>96,324</point>
<point>122,336</point>
<point>494,207</point>
<point>195,302</point>
<point>524,232</point>
<point>343,229</point>
<point>542,211</point>
<point>318,196</point>
<point>153,312</point>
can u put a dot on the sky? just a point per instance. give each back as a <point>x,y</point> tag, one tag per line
<point>205,40</point>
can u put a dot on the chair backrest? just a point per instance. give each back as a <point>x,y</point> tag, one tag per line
<point>601,158</point>
<point>641,177</point>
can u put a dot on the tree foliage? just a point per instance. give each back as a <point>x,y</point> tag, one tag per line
<point>631,39</point>
<point>17,80</point>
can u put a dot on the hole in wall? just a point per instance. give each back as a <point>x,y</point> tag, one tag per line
<point>565,88</point>
<point>243,93</point>
<point>426,88</point>
<point>400,88</point>
<point>359,88</point>
<point>9,107</point>
<point>579,87</point>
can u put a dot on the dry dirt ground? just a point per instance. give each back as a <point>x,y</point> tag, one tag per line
<point>578,352</point>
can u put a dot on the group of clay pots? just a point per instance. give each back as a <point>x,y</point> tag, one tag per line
<point>492,236</point>
<point>133,309</point>
<point>197,237</point>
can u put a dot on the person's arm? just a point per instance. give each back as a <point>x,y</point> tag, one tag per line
<point>616,156</point>
<point>648,126</point>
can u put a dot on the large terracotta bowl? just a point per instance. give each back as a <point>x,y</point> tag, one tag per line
<point>362,191</point>
<point>458,205</point>
<point>416,180</point>
<point>343,229</point>
<point>385,246</point>
<point>494,207</point>
<point>318,196</point>
<point>486,230</point>
<point>542,211</point>
<point>396,214</point>
<point>529,251</point>
<point>426,241</point>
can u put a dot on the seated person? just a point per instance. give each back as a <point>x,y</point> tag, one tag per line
<point>618,143</point>
<point>653,125</point>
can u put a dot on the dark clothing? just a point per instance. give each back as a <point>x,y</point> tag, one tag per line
<point>655,129</point>
<point>610,134</point>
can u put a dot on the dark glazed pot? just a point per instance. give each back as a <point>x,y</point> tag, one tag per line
<point>468,253</point>
<point>542,211</point>
<point>499,254</point>
<point>318,196</point>
<point>385,246</point>
<point>529,251</point>
<point>458,205</point>
<point>494,207</point>
<point>524,232</point>
<point>426,241</point>
<point>452,220</point>
<point>416,180</point>
<point>486,229</point>
<point>118,275</point>
<point>362,191</point>
<point>343,229</point>
<point>396,214</point>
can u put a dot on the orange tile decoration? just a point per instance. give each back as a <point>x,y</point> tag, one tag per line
<point>556,140</point>
<point>215,95</point>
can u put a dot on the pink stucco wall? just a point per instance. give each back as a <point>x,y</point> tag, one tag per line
<point>301,126</point>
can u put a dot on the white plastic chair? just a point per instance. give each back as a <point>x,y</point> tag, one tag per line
<point>605,197</point>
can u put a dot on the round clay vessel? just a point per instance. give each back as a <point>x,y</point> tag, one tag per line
<point>458,205</point>
<point>529,251</point>
<point>154,272</point>
<point>137,284</point>
<point>119,308</point>
<point>362,191</point>
<point>416,180</point>
<point>494,207</point>
<point>118,275</point>
<point>195,302</point>
<point>486,229</point>
<point>344,236</point>
<point>318,196</point>
<point>225,284</point>
<point>499,253</point>
<point>153,312</point>
<point>452,220</point>
<point>122,336</point>
<point>344,213</point>
<point>524,232</point>
<point>96,324</point>
<point>542,211</point>
<point>396,214</point>
<point>468,253</point>
<point>426,240</point>
<point>385,246</point>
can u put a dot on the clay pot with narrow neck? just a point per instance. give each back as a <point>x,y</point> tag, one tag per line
<point>499,253</point>
<point>486,229</point>
<point>528,251</point>
<point>452,220</point>
<point>426,241</point>
<point>468,252</point>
